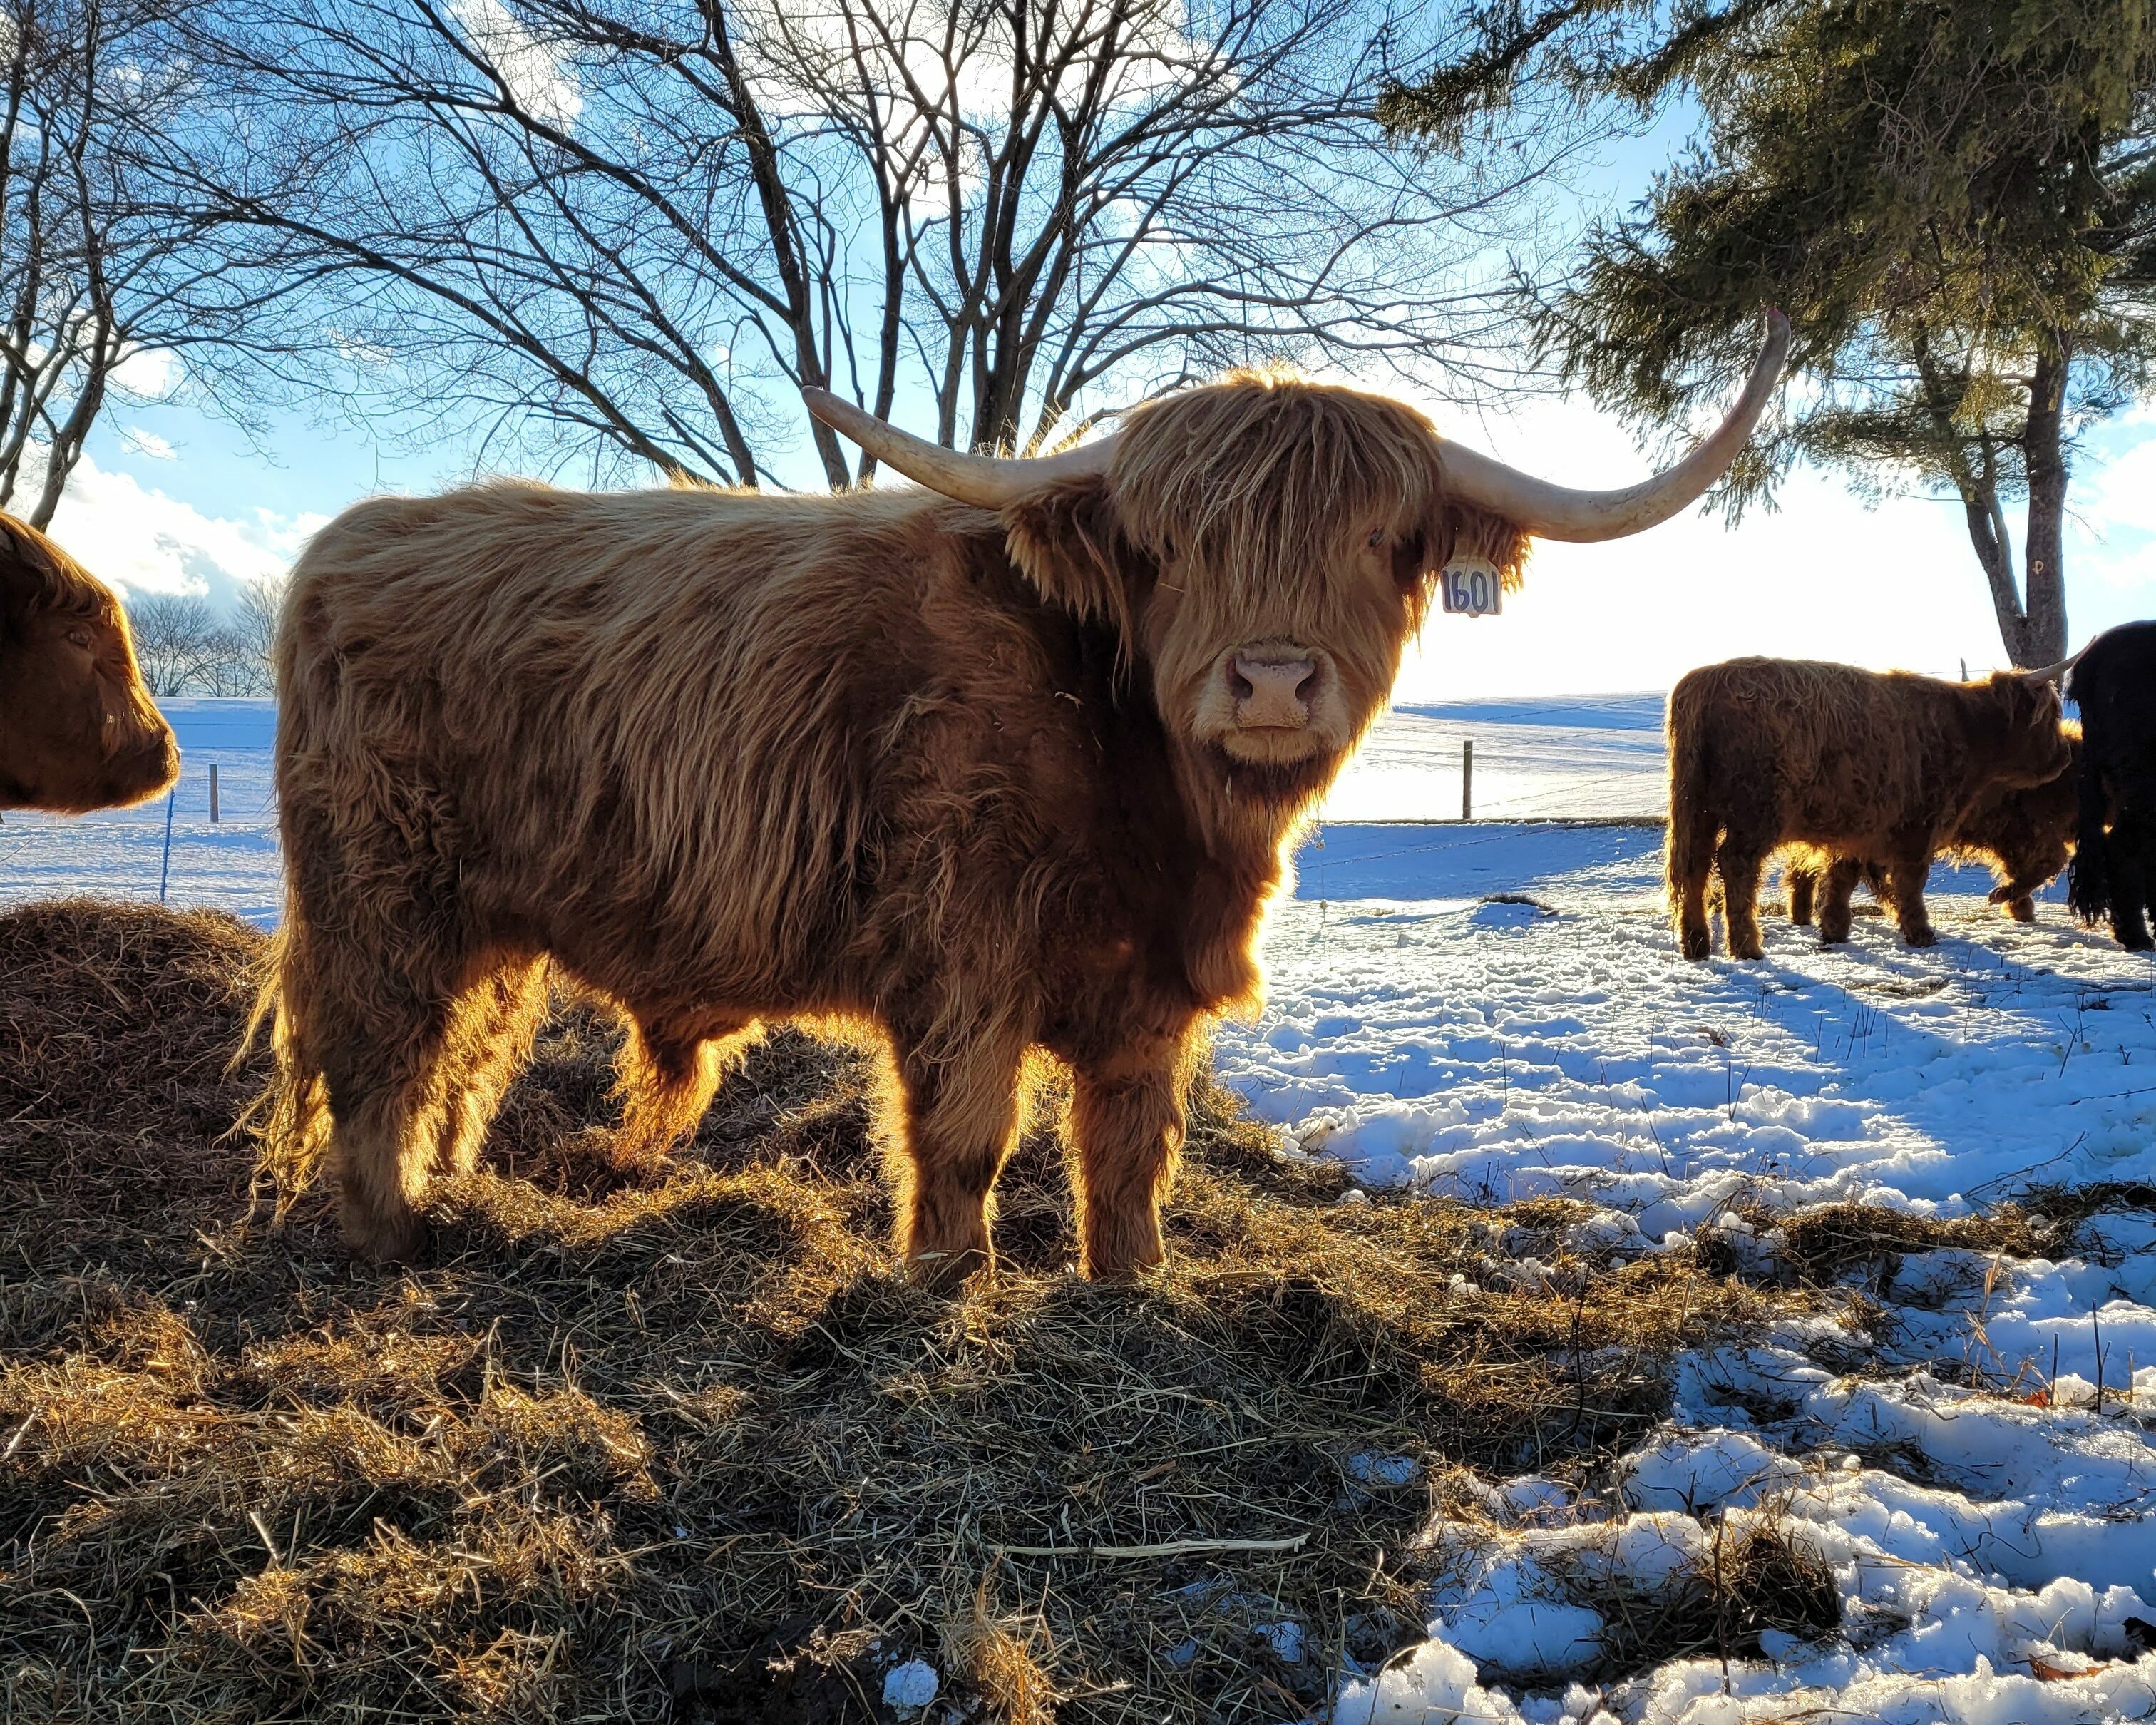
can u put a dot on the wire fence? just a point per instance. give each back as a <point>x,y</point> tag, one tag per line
<point>200,847</point>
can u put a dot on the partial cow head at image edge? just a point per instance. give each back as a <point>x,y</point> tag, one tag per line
<point>1267,547</point>
<point>78,730</point>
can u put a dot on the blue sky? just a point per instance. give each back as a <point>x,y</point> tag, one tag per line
<point>171,498</point>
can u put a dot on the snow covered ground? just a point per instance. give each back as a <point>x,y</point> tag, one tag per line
<point>1592,756</point>
<point>1498,1011</point>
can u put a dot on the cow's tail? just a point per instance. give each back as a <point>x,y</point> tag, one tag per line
<point>2088,877</point>
<point>1688,848</point>
<point>291,1118</point>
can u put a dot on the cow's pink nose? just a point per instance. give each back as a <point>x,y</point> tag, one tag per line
<point>1272,691</point>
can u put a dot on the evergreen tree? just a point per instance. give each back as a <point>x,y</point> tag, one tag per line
<point>1954,201</point>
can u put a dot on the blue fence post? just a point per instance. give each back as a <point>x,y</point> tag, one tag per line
<point>165,868</point>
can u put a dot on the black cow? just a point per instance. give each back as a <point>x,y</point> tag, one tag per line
<point>2114,870</point>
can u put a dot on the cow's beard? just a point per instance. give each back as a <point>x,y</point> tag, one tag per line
<point>1287,786</point>
<point>1243,804</point>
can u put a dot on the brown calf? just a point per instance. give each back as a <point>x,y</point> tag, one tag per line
<point>2024,835</point>
<point>1765,752</point>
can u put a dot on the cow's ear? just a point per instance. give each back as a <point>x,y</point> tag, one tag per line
<point>1067,541</point>
<point>1452,530</point>
<point>26,574</point>
<point>2027,701</point>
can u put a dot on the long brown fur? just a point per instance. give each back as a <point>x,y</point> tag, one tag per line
<point>971,778</point>
<point>78,730</point>
<point>2024,835</point>
<point>1862,765</point>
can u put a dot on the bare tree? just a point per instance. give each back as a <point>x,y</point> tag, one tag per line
<point>252,626</point>
<point>175,640</point>
<point>639,225</point>
<point>117,274</point>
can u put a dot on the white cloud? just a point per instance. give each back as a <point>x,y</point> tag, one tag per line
<point>140,539</point>
<point>536,72</point>
<point>139,441</point>
<point>148,374</point>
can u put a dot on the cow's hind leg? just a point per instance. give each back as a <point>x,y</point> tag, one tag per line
<point>1126,1118</point>
<point>1739,860</point>
<point>959,1104</point>
<point>1834,892</point>
<point>1908,867</point>
<point>1691,862</point>
<point>668,1070</point>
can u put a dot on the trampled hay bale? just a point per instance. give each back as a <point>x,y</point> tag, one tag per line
<point>681,1444</point>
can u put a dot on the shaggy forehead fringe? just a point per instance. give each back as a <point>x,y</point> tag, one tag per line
<point>1260,475</point>
<point>55,581</point>
<point>1263,476</point>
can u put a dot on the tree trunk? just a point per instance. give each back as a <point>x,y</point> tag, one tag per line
<point>2044,628</point>
<point>1994,551</point>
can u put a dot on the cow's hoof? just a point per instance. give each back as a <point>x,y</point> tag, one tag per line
<point>947,1270</point>
<point>1920,937</point>
<point>385,1240</point>
<point>2021,910</point>
<point>1740,947</point>
<point>1693,944</point>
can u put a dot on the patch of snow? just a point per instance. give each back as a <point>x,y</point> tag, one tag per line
<point>910,1688</point>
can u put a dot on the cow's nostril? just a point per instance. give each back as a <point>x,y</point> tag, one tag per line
<point>1239,685</point>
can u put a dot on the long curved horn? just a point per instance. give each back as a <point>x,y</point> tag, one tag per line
<point>2052,673</point>
<point>1549,511</point>
<point>986,481</point>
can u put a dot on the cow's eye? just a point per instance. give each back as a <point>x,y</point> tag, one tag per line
<point>1376,539</point>
<point>79,637</point>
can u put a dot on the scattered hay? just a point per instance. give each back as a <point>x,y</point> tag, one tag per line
<point>1756,1574</point>
<point>1818,1247</point>
<point>682,1444</point>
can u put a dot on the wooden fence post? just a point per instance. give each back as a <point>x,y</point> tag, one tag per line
<point>213,793</point>
<point>1467,781</point>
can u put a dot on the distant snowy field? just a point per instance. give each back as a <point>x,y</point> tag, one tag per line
<point>1498,1011</point>
<point>231,865</point>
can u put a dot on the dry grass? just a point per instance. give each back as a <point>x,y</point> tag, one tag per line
<point>683,1446</point>
<point>1822,1245</point>
<point>1760,1574</point>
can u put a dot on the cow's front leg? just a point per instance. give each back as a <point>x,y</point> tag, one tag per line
<point>1801,881</point>
<point>2017,900</point>
<point>2128,850</point>
<point>959,1104</point>
<point>1126,1118</point>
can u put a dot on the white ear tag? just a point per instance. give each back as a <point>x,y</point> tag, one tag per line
<point>1472,587</point>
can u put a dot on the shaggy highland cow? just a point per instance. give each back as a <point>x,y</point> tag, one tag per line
<point>78,730</point>
<point>1768,752</point>
<point>2114,873</point>
<point>1010,767</point>
<point>2024,835</point>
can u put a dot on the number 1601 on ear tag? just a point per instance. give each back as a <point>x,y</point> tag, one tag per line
<point>1472,587</point>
